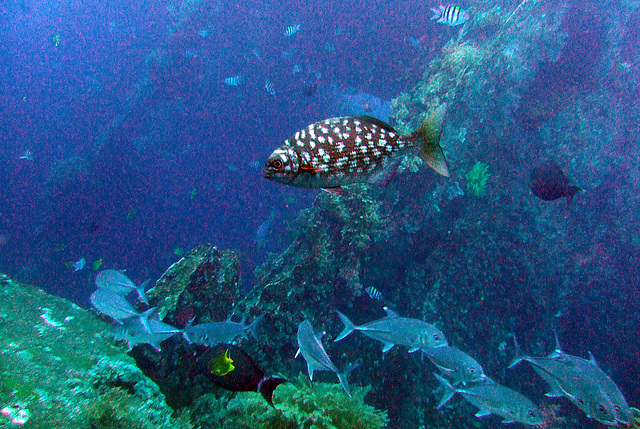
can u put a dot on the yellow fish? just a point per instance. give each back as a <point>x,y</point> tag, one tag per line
<point>55,39</point>
<point>223,364</point>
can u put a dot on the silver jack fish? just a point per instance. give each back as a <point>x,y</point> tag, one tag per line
<point>582,382</point>
<point>493,398</point>
<point>455,364</point>
<point>353,149</point>
<point>311,349</point>
<point>118,283</point>
<point>393,329</point>
<point>212,333</point>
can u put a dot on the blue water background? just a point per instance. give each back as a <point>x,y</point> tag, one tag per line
<point>109,181</point>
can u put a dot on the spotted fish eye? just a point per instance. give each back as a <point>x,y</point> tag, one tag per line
<point>276,163</point>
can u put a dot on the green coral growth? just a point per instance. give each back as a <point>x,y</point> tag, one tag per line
<point>477,179</point>
<point>300,405</point>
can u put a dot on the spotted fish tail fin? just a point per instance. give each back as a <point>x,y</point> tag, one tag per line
<point>430,132</point>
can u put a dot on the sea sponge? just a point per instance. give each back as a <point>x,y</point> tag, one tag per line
<point>477,179</point>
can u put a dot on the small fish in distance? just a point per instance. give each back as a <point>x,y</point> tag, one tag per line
<point>374,293</point>
<point>117,282</point>
<point>231,368</point>
<point>311,348</point>
<point>79,264</point>
<point>353,149</point>
<point>27,155</point>
<point>233,80</point>
<point>451,15</point>
<point>268,86</point>
<point>393,329</point>
<point>548,182</point>
<point>291,30</point>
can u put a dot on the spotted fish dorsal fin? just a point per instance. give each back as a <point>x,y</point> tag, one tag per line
<point>375,121</point>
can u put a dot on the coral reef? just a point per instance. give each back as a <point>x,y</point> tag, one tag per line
<point>58,370</point>
<point>299,405</point>
<point>204,284</point>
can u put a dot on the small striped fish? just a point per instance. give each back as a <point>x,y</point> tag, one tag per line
<point>353,149</point>
<point>451,15</point>
<point>233,80</point>
<point>374,293</point>
<point>268,86</point>
<point>291,30</point>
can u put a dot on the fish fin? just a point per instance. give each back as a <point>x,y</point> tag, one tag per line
<point>155,345</point>
<point>557,352</point>
<point>387,347</point>
<point>446,371</point>
<point>593,360</point>
<point>310,369</point>
<point>348,326</point>
<point>297,354</point>
<point>253,327</point>
<point>267,385</point>
<point>309,169</point>
<point>414,349</point>
<point>390,313</point>
<point>436,13</point>
<point>383,177</point>
<point>429,133</point>
<point>554,393</point>
<point>186,328</point>
<point>518,357</point>
<point>344,375</point>
<point>334,190</point>
<point>144,318</point>
<point>140,289</point>
<point>571,191</point>
<point>449,390</point>
<point>482,412</point>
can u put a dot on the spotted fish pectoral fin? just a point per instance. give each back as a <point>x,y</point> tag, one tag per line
<point>383,177</point>
<point>334,190</point>
<point>430,132</point>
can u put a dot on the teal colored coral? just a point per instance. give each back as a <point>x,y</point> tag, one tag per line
<point>477,179</point>
<point>299,405</point>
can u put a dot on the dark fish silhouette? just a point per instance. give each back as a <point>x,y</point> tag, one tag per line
<point>548,182</point>
<point>309,90</point>
<point>231,368</point>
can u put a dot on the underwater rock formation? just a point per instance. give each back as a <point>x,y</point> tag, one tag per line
<point>59,369</point>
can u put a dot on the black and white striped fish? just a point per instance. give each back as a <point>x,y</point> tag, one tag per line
<point>268,86</point>
<point>291,30</point>
<point>353,149</point>
<point>374,293</point>
<point>451,15</point>
<point>233,80</point>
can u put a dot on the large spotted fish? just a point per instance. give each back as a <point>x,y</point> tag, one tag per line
<point>353,149</point>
